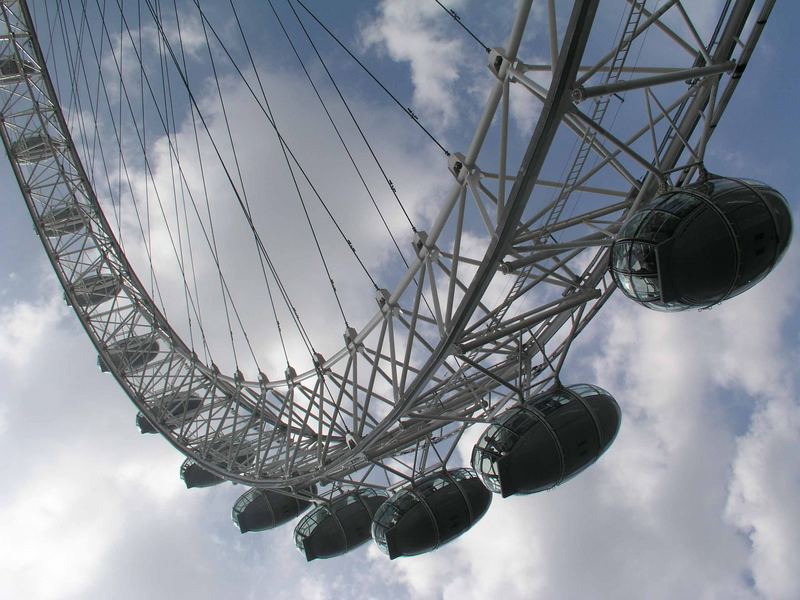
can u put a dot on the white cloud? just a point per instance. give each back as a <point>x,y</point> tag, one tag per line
<point>663,513</point>
<point>21,326</point>
<point>683,505</point>
<point>414,32</point>
<point>763,495</point>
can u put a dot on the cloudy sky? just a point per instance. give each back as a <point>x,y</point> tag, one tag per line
<point>697,498</point>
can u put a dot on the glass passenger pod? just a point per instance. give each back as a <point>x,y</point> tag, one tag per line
<point>35,147</point>
<point>144,424</point>
<point>546,441</point>
<point>430,513</point>
<point>62,220</point>
<point>260,509</point>
<point>92,290</point>
<point>702,244</point>
<point>339,526</point>
<point>131,354</point>
<point>13,70</point>
<point>195,476</point>
<point>228,454</point>
<point>175,410</point>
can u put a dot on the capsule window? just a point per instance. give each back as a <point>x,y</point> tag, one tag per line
<point>679,204</point>
<point>431,485</point>
<point>404,501</point>
<point>619,256</point>
<point>501,441</point>
<point>724,185</point>
<point>489,465</point>
<point>643,259</point>
<point>463,475</point>
<point>518,420</point>
<point>552,402</point>
<point>631,226</point>
<point>583,389</point>
<point>658,226</point>
<point>624,281</point>
<point>309,524</point>
<point>646,288</point>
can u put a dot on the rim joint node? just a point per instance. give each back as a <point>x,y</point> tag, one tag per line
<point>457,163</point>
<point>290,374</point>
<point>383,297</point>
<point>350,440</point>
<point>350,335</point>
<point>499,65</point>
<point>420,244</point>
<point>319,363</point>
<point>263,380</point>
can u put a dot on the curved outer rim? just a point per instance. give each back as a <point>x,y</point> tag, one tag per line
<point>557,102</point>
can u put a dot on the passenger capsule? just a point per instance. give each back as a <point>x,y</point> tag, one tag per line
<point>702,244</point>
<point>338,527</point>
<point>62,220</point>
<point>430,513</point>
<point>12,69</point>
<point>35,147</point>
<point>259,510</point>
<point>229,455</point>
<point>173,410</point>
<point>131,354</point>
<point>92,290</point>
<point>179,407</point>
<point>546,441</point>
<point>144,424</point>
<point>195,476</point>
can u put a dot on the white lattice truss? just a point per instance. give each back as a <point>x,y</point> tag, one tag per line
<point>461,365</point>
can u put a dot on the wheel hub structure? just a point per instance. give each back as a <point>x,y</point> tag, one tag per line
<point>474,325</point>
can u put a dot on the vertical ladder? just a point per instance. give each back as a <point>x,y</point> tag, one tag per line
<point>598,112</point>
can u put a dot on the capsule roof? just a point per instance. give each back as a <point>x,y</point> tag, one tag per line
<point>430,513</point>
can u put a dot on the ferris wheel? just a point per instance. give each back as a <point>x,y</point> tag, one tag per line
<point>119,154</point>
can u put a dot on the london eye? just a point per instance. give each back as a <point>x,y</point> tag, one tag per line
<point>333,364</point>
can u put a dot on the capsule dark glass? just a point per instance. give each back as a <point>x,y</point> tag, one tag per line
<point>259,510</point>
<point>172,411</point>
<point>435,510</point>
<point>95,289</point>
<point>62,220</point>
<point>338,527</point>
<point>546,441</point>
<point>144,424</point>
<point>131,354</point>
<point>701,244</point>
<point>195,476</point>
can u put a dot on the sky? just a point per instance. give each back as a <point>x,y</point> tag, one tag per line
<point>697,498</point>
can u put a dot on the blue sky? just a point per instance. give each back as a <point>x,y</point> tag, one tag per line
<point>697,497</point>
